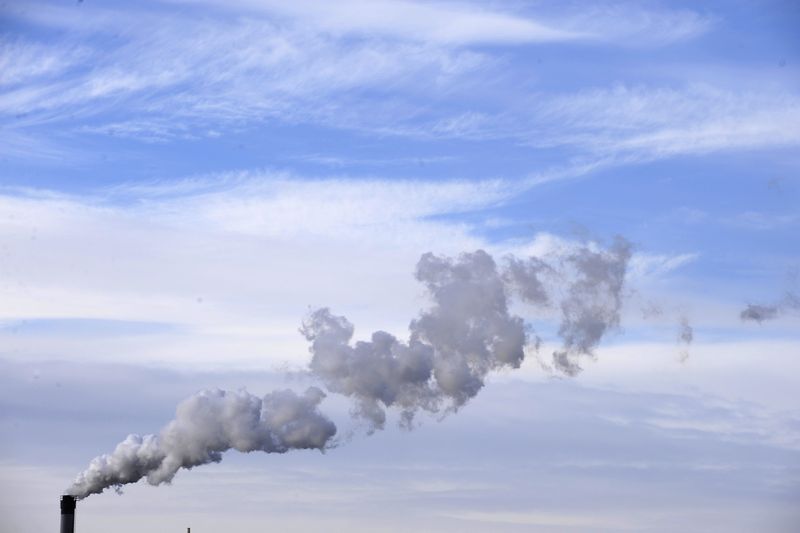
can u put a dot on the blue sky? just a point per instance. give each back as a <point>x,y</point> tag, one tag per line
<point>181,181</point>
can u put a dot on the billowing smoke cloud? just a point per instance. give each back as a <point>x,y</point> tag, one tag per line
<point>206,425</point>
<point>467,333</point>
<point>452,347</point>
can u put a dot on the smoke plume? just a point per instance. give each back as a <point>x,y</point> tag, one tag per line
<point>759,313</point>
<point>206,425</point>
<point>467,332</point>
<point>451,348</point>
<point>594,280</point>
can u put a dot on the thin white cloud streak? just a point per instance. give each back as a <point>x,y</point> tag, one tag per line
<point>643,123</point>
<point>623,125</point>
<point>22,61</point>
<point>34,148</point>
<point>476,23</point>
<point>445,23</point>
<point>340,208</point>
<point>644,266</point>
<point>634,25</point>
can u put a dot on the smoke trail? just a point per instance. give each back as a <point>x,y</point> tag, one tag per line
<point>594,279</point>
<point>206,425</point>
<point>759,313</point>
<point>685,337</point>
<point>467,333</point>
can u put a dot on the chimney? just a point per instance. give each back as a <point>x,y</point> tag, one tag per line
<point>67,514</point>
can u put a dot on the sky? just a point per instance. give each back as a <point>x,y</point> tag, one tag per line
<point>183,183</point>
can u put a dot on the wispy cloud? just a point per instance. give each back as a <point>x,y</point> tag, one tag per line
<point>22,61</point>
<point>476,23</point>
<point>656,265</point>
<point>636,25</point>
<point>645,123</point>
<point>383,66</point>
<point>225,241</point>
<point>447,23</point>
<point>233,72</point>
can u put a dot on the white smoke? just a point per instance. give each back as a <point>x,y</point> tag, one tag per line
<point>206,425</point>
<point>467,333</point>
<point>452,346</point>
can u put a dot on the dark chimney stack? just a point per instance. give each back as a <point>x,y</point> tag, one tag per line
<point>67,514</point>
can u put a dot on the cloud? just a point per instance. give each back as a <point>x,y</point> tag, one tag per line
<point>645,265</point>
<point>450,23</point>
<point>390,67</point>
<point>24,61</point>
<point>647,123</point>
<point>229,71</point>
<point>474,23</point>
<point>243,244</point>
<point>637,25</point>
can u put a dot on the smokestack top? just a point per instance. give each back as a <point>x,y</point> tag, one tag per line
<point>67,504</point>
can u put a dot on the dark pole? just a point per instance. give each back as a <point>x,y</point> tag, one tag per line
<point>67,514</point>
